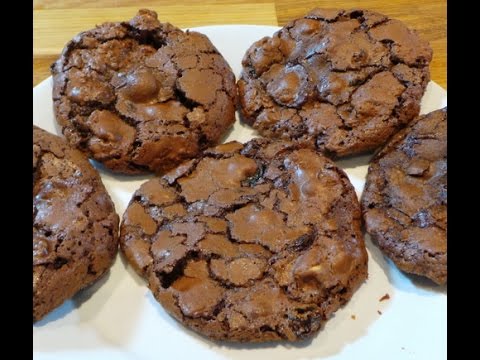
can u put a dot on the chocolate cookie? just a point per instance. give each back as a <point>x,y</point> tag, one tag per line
<point>404,203</point>
<point>251,242</point>
<point>142,95</point>
<point>341,80</point>
<point>75,227</point>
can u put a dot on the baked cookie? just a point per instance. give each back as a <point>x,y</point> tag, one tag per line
<point>404,203</point>
<point>142,95</point>
<point>75,227</point>
<point>253,242</point>
<point>341,80</point>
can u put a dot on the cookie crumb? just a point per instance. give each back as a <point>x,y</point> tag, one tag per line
<point>384,297</point>
<point>354,317</point>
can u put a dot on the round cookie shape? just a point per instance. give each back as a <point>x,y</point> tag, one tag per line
<point>342,81</point>
<point>75,227</point>
<point>404,203</point>
<point>142,96</point>
<point>249,243</point>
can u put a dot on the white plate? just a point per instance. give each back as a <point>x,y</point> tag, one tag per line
<point>118,318</point>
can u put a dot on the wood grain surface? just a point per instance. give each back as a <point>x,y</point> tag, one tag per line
<point>57,21</point>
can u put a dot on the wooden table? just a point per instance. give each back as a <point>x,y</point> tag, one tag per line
<point>57,21</point>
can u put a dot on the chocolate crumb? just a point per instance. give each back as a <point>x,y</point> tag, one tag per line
<point>384,297</point>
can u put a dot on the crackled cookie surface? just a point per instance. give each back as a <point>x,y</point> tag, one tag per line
<point>341,80</point>
<point>142,95</point>
<point>75,227</point>
<point>251,242</point>
<point>405,199</point>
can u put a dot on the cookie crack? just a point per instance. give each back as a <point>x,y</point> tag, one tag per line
<point>186,101</point>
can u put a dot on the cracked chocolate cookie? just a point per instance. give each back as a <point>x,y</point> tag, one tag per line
<point>341,80</point>
<point>75,227</point>
<point>142,96</point>
<point>404,203</point>
<point>253,242</point>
